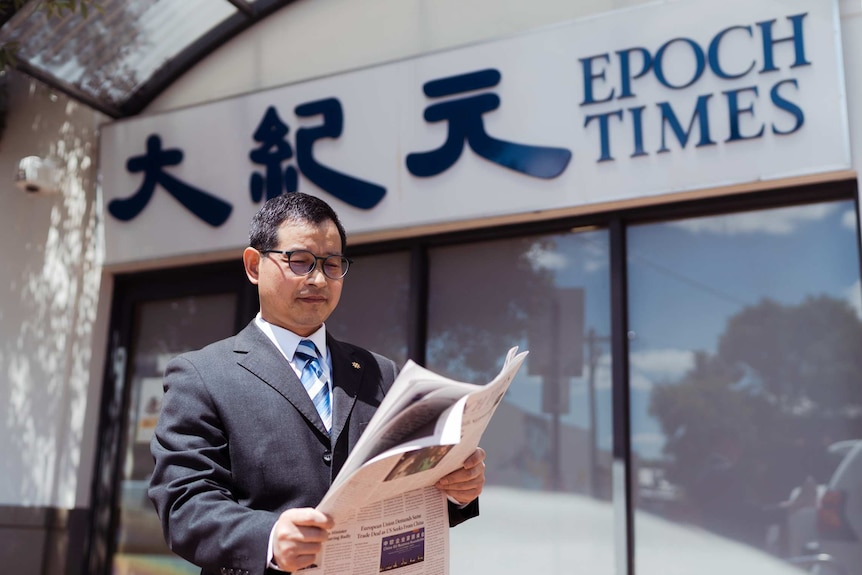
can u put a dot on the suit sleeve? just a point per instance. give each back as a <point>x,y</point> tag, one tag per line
<point>191,484</point>
<point>458,515</point>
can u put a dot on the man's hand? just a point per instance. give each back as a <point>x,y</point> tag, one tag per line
<point>298,537</point>
<point>465,484</point>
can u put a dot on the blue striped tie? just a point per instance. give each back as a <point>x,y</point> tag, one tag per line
<point>314,379</point>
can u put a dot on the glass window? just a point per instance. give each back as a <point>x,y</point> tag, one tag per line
<point>745,371</point>
<point>373,310</point>
<point>547,498</point>
<point>163,329</point>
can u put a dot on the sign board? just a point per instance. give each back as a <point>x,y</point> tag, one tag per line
<point>663,98</point>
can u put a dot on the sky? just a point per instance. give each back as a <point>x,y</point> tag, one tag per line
<point>686,279</point>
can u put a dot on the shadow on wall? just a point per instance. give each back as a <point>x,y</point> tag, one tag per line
<point>49,246</point>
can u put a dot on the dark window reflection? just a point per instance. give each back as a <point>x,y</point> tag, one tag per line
<point>548,444</point>
<point>163,329</point>
<point>746,376</point>
<point>373,310</point>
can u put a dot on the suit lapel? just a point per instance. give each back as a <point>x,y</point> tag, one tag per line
<point>346,378</point>
<point>260,357</point>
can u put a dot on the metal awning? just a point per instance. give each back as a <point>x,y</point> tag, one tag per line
<point>125,52</point>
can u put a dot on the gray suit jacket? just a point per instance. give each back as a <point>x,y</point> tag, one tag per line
<point>239,441</point>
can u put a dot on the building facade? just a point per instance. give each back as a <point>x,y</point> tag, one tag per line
<point>658,200</point>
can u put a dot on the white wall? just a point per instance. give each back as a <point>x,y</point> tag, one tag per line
<point>49,295</point>
<point>313,38</point>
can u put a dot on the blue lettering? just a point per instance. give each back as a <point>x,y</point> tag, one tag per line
<point>637,119</point>
<point>589,76</point>
<point>604,136</point>
<point>701,115</point>
<point>273,150</point>
<point>734,112</point>
<point>699,59</point>
<point>680,63</point>
<point>206,206</point>
<point>787,106</point>
<point>713,51</point>
<point>356,192</point>
<point>769,43</point>
<point>464,117</point>
<point>625,69</point>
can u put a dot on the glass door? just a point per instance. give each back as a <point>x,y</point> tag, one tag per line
<point>162,329</point>
<point>156,317</point>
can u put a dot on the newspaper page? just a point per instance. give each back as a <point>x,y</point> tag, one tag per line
<point>437,425</point>
<point>387,512</point>
<point>409,531</point>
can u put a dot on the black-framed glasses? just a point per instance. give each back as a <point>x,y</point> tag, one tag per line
<point>303,262</point>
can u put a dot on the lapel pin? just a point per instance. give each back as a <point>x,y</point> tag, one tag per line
<point>355,365</point>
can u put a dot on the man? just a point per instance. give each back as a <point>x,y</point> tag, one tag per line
<point>243,449</point>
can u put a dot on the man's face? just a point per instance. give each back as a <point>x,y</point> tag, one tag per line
<point>298,303</point>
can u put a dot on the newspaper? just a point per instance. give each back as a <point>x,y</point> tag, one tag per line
<point>388,514</point>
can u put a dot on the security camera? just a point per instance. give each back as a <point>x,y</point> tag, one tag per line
<point>37,175</point>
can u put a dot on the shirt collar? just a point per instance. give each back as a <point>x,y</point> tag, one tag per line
<point>286,341</point>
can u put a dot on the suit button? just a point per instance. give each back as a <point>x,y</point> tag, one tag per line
<point>327,457</point>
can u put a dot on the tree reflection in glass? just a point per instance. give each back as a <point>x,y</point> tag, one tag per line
<point>548,444</point>
<point>745,368</point>
<point>548,294</point>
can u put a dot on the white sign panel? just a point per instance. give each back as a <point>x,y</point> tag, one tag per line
<point>665,98</point>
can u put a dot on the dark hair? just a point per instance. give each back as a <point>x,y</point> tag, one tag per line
<point>294,207</point>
